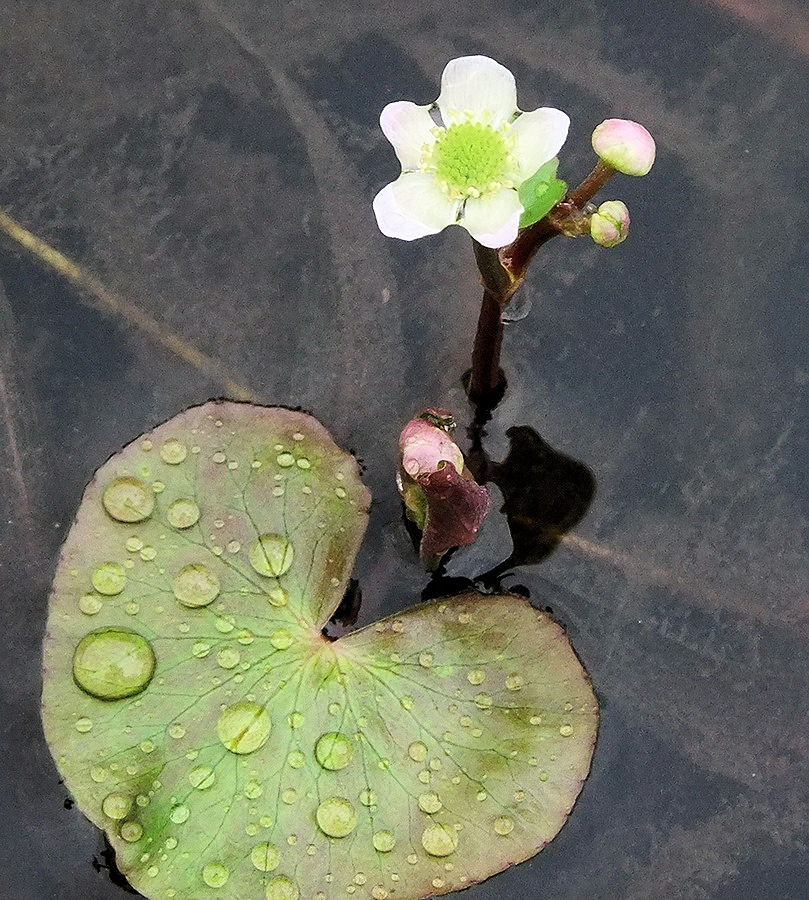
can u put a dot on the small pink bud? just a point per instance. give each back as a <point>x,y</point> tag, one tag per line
<point>610,224</point>
<point>624,145</point>
<point>424,446</point>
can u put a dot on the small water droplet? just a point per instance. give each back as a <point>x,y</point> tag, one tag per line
<point>244,727</point>
<point>336,817</point>
<point>202,777</point>
<point>285,460</point>
<point>426,660</point>
<point>133,544</point>
<point>177,731</point>
<point>196,585</point>
<point>384,841</point>
<point>215,874</point>
<point>379,892</point>
<point>417,751</point>
<point>90,605</point>
<point>515,681</point>
<point>295,719</point>
<point>277,596</point>
<point>535,720</point>
<point>183,513</point>
<point>271,555</point>
<point>296,759</point>
<point>109,579</point>
<point>200,649</point>
<point>179,814</point>
<point>131,832</point>
<point>566,730</point>
<point>228,657</point>
<point>281,888</point>
<point>483,700</point>
<point>289,796</point>
<point>147,554</point>
<point>265,857</point>
<point>303,463</point>
<point>367,797</point>
<point>113,663</point>
<point>128,499</point>
<point>117,806</point>
<point>98,774</point>
<point>253,789</point>
<point>219,457</point>
<point>281,639</point>
<point>439,840</point>
<point>543,775</point>
<point>334,751</point>
<point>173,452</point>
<point>430,802</point>
<point>476,676</point>
<point>407,702</point>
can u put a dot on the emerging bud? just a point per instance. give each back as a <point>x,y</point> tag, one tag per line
<point>424,445</point>
<point>610,223</point>
<point>624,145</point>
<point>440,495</point>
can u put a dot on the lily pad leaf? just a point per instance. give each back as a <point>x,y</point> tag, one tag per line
<point>540,193</point>
<point>227,747</point>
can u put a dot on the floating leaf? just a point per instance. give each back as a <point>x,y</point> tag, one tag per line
<point>228,748</point>
<point>540,193</point>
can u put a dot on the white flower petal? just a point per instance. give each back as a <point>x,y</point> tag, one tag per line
<point>493,220</point>
<point>477,85</point>
<point>409,128</point>
<point>413,206</point>
<point>538,137</point>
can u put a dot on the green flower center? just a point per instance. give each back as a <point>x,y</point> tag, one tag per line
<point>471,158</point>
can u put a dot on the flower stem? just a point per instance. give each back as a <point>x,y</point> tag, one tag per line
<point>502,272</point>
<point>486,379</point>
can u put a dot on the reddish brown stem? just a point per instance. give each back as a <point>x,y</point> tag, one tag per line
<point>501,275</point>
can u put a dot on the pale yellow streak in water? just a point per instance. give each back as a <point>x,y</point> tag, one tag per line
<point>101,297</point>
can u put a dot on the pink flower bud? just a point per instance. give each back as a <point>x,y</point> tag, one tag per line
<point>624,145</point>
<point>610,224</point>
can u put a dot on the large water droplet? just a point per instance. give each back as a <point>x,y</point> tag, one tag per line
<point>183,513</point>
<point>113,663</point>
<point>281,888</point>
<point>271,555</point>
<point>109,578</point>
<point>336,817</point>
<point>215,874</point>
<point>128,499</point>
<point>117,806</point>
<point>334,750</point>
<point>244,727</point>
<point>439,840</point>
<point>173,451</point>
<point>196,585</point>
<point>265,857</point>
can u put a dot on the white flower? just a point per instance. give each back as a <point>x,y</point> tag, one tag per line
<point>463,164</point>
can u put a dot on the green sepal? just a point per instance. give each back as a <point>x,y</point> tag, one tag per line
<point>540,193</point>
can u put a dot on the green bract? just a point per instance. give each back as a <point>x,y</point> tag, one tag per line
<point>540,193</point>
<point>230,750</point>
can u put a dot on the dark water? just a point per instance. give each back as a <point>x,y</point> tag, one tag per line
<point>216,171</point>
